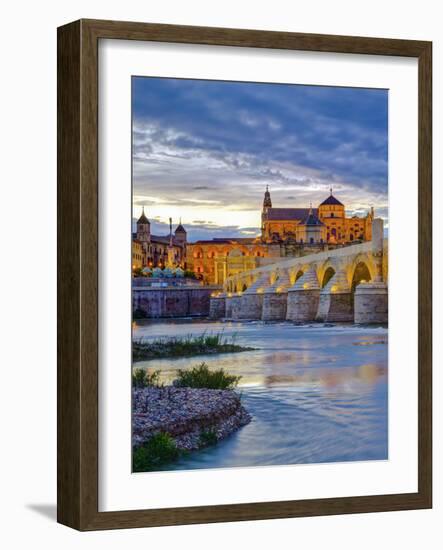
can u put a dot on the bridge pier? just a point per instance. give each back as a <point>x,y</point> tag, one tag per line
<point>251,306</point>
<point>335,303</point>
<point>236,306</point>
<point>275,299</point>
<point>252,299</point>
<point>303,298</point>
<point>371,303</point>
<point>371,299</point>
<point>228,306</point>
<point>217,306</point>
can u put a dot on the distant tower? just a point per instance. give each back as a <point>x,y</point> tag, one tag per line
<point>143,228</point>
<point>180,237</point>
<point>144,233</point>
<point>267,204</point>
<point>171,251</point>
<point>180,233</point>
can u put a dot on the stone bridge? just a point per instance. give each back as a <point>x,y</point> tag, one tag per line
<point>346,284</point>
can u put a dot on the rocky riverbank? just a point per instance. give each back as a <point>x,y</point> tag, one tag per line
<point>191,416</point>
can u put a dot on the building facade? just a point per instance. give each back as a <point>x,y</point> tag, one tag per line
<point>138,255</point>
<point>215,260</point>
<point>156,250</point>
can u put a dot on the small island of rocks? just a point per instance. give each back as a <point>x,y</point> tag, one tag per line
<point>170,421</point>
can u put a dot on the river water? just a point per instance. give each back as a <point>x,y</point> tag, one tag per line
<point>316,393</point>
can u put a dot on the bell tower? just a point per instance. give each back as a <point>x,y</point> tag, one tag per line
<point>144,233</point>
<point>143,228</point>
<point>267,204</point>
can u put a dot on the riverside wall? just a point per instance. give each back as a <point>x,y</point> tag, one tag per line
<point>169,302</point>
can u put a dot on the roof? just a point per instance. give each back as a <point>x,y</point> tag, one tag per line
<point>289,213</point>
<point>143,218</point>
<point>159,239</point>
<point>312,219</point>
<point>180,229</point>
<point>331,200</point>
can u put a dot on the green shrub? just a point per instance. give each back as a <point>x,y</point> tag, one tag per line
<point>208,437</point>
<point>159,450</point>
<point>201,377</point>
<point>142,378</point>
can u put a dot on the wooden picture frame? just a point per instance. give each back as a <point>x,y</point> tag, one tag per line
<point>78,274</point>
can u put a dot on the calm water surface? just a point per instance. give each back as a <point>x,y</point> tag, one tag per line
<point>317,393</point>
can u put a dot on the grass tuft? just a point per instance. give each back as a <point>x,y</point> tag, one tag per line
<point>142,378</point>
<point>201,377</point>
<point>159,450</point>
<point>185,346</point>
<point>208,438</point>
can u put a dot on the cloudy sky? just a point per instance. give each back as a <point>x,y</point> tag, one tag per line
<point>205,151</point>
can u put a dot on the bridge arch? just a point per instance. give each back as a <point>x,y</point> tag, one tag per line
<point>295,275</point>
<point>327,275</point>
<point>361,273</point>
<point>361,261</point>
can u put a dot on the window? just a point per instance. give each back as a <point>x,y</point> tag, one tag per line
<point>332,214</point>
<point>311,240</point>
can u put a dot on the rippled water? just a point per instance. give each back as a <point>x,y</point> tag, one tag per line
<point>316,393</point>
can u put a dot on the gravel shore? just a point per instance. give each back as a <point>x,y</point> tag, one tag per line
<point>185,413</point>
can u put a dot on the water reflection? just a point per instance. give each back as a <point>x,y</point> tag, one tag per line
<point>317,393</point>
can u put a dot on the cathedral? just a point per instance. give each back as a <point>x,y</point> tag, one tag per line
<point>285,232</point>
<point>326,224</point>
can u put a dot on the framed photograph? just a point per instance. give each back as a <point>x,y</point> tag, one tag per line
<point>244,275</point>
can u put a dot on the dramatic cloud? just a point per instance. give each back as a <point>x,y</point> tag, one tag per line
<point>205,150</point>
